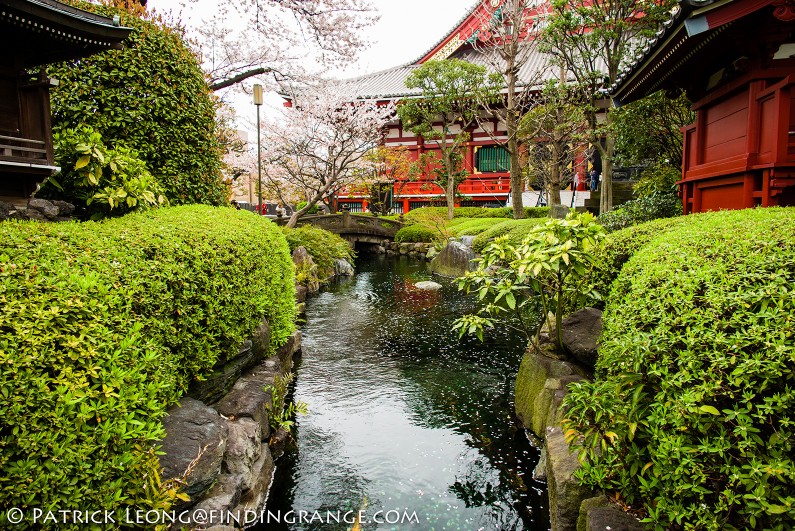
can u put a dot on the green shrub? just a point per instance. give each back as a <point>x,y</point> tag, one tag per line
<point>323,246</point>
<point>472,227</point>
<point>691,412</point>
<point>102,325</point>
<point>151,96</point>
<point>313,210</point>
<point>416,233</point>
<point>100,182</point>
<point>515,229</point>
<point>618,247</point>
<point>653,206</point>
<point>658,177</point>
<point>476,212</point>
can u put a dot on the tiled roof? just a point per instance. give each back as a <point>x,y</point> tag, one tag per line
<point>446,35</point>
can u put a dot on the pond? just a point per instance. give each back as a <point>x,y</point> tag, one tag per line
<point>406,422</point>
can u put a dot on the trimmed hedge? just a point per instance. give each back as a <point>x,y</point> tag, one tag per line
<point>515,229</point>
<point>323,246</point>
<point>472,227</point>
<point>476,212</point>
<point>653,206</point>
<point>416,233</point>
<point>692,413</point>
<point>103,325</point>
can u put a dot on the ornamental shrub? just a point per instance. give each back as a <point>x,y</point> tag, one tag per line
<point>653,206</point>
<point>416,233</point>
<point>151,96</point>
<point>515,229</point>
<point>477,212</point>
<point>323,246</point>
<point>103,325</point>
<point>691,412</point>
<point>100,182</point>
<point>472,227</point>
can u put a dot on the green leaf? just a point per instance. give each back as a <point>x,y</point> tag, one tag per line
<point>709,409</point>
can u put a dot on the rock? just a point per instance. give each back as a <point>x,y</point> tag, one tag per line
<point>540,471</point>
<point>300,309</point>
<point>543,416</point>
<point>414,254</point>
<point>608,517</point>
<point>195,437</point>
<point>243,448</point>
<point>261,340</point>
<point>390,252</point>
<point>287,351</point>
<point>221,498</point>
<point>558,211</point>
<point>565,494</point>
<point>342,268</point>
<point>534,371</point>
<point>300,293</point>
<point>379,249</point>
<point>428,285</point>
<point>419,247</point>
<point>580,332</point>
<point>467,240</point>
<point>453,261</point>
<point>279,441</point>
<point>262,472</point>
<point>431,253</point>
<point>586,506</point>
<point>64,208</point>
<point>6,209</point>
<point>224,375</point>
<point>406,248</point>
<point>248,397</point>
<point>28,214</point>
<point>49,210</point>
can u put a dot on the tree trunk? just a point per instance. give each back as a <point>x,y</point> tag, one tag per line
<point>554,177</point>
<point>450,197</point>
<point>511,129</point>
<point>606,186</point>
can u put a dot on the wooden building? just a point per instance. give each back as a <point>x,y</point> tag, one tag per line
<point>486,161</point>
<point>736,61</point>
<point>34,33</point>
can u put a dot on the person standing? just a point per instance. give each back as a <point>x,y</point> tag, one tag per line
<point>594,180</point>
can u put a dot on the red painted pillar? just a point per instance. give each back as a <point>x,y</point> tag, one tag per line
<point>364,206</point>
<point>405,205</point>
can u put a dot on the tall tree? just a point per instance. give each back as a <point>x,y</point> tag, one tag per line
<point>451,94</point>
<point>592,40</point>
<point>551,129</point>
<point>279,38</point>
<point>504,38</point>
<point>320,146</point>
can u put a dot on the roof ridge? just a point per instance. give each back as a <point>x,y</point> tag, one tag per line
<point>463,19</point>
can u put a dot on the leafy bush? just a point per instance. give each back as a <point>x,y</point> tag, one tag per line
<point>618,247</point>
<point>313,210</point>
<point>102,325</point>
<point>416,233</point>
<point>323,246</point>
<point>659,177</point>
<point>691,412</point>
<point>151,96</point>
<point>653,206</point>
<point>472,227</point>
<point>101,182</point>
<point>515,229</point>
<point>477,212</point>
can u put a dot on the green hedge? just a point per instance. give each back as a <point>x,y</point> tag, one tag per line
<point>472,227</point>
<point>416,233</point>
<point>516,229</point>
<point>618,247</point>
<point>692,413</point>
<point>653,206</point>
<point>323,246</point>
<point>476,212</point>
<point>103,325</point>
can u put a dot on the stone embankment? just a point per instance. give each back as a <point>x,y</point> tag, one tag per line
<point>541,386</point>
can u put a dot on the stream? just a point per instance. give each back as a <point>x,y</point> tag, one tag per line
<point>406,423</point>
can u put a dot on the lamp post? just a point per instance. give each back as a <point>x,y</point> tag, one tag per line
<point>258,103</point>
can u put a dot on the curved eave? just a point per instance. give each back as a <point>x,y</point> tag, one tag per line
<point>60,31</point>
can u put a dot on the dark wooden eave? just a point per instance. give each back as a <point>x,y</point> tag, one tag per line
<point>47,31</point>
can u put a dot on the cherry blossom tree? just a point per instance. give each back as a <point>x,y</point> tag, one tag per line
<point>320,146</point>
<point>277,38</point>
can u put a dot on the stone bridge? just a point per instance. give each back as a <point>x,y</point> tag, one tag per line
<point>356,228</point>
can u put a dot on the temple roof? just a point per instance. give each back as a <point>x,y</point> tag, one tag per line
<point>46,31</point>
<point>692,38</point>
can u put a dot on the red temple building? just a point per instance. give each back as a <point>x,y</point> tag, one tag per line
<point>486,161</point>
<point>736,62</point>
<point>33,34</point>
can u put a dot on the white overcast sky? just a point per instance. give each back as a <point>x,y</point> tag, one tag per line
<point>406,29</point>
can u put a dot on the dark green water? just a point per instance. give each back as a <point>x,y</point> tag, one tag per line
<point>405,418</point>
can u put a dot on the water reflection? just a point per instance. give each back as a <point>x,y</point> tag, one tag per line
<point>403,414</point>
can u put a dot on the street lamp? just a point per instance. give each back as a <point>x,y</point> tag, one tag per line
<point>258,103</point>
